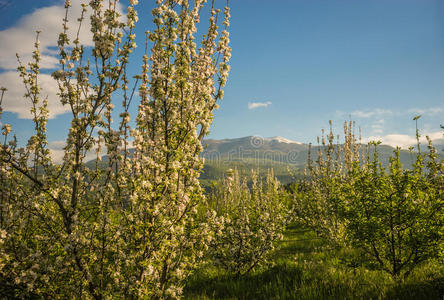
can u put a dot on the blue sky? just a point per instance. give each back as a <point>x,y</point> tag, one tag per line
<point>295,65</point>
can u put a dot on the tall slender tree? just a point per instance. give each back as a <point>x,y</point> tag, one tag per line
<point>126,227</point>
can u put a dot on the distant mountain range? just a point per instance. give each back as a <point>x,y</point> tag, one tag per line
<point>282,150</point>
<point>286,157</point>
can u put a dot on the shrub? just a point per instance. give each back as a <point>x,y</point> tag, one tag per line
<point>253,218</point>
<point>395,216</point>
<point>319,202</point>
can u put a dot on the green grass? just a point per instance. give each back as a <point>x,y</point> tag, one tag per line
<point>305,267</point>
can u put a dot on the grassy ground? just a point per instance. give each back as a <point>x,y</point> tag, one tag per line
<point>304,267</point>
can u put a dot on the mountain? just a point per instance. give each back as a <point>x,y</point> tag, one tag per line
<point>253,153</point>
<point>279,150</point>
<point>277,153</point>
<point>261,150</point>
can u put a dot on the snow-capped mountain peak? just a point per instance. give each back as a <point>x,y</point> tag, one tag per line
<point>280,139</point>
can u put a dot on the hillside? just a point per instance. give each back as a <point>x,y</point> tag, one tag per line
<point>276,149</point>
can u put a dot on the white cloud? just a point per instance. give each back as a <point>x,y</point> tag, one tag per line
<point>381,112</point>
<point>426,111</point>
<point>20,38</point>
<point>404,140</point>
<point>253,105</point>
<point>371,113</point>
<point>379,122</point>
<point>14,100</point>
<point>378,126</point>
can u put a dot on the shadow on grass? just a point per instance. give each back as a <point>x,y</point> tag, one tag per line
<point>427,289</point>
<point>258,285</point>
<point>285,281</point>
<point>305,267</point>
